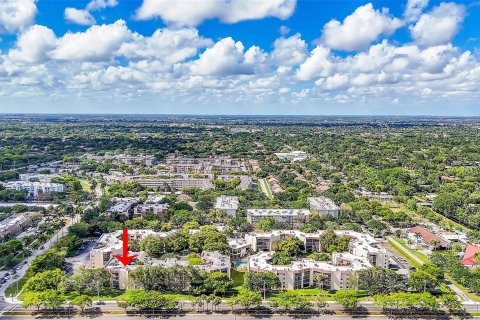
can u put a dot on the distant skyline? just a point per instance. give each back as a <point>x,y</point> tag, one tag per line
<point>240,57</point>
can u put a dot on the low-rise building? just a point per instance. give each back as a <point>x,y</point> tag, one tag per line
<point>223,165</point>
<point>364,252</point>
<point>156,208</point>
<point>470,257</point>
<point>227,204</point>
<point>34,188</point>
<point>323,205</point>
<point>174,183</point>
<point>292,217</point>
<point>420,236</point>
<point>122,206</point>
<point>110,244</point>
<point>15,224</point>
<point>293,156</point>
<point>212,261</point>
<point>239,248</point>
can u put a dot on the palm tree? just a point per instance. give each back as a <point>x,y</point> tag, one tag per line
<point>319,279</point>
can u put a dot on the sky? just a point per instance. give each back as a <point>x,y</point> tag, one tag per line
<point>308,57</point>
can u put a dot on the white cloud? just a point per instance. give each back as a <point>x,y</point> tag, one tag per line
<point>225,58</point>
<point>359,29</point>
<point>192,13</point>
<point>77,16</point>
<point>337,81</point>
<point>171,46</point>
<point>289,51</point>
<point>100,4</point>
<point>319,64</point>
<point>33,45</point>
<point>438,26</point>
<point>16,15</point>
<point>83,16</point>
<point>414,8</point>
<point>98,43</point>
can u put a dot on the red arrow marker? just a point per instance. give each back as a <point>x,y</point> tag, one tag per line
<point>125,259</point>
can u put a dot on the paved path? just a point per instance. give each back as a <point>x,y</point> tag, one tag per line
<point>407,251</point>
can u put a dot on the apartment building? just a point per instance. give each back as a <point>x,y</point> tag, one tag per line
<point>110,244</point>
<point>293,156</point>
<point>227,204</point>
<point>34,188</point>
<point>15,224</point>
<point>323,205</point>
<point>156,208</point>
<point>239,248</point>
<point>122,206</point>
<point>292,217</point>
<point>173,183</point>
<point>364,252</point>
<point>212,261</point>
<point>146,160</point>
<point>222,165</point>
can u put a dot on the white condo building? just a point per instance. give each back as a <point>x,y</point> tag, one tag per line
<point>292,217</point>
<point>364,252</point>
<point>34,188</point>
<point>110,244</point>
<point>227,204</point>
<point>324,206</point>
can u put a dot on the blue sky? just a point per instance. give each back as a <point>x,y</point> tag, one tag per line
<point>240,56</point>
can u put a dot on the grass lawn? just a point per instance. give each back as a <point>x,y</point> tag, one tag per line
<point>403,254</point>
<point>12,289</point>
<point>85,186</point>
<point>419,255</point>
<point>237,278</point>
<point>267,187</point>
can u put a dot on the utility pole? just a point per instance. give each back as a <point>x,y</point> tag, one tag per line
<point>264,290</point>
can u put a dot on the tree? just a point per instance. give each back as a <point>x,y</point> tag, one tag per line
<point>320,304</point>
<point>319,279</point>
<point>89,281</point>
<point>32,299</point>
<point>347,298</point>
<point>451,302</point>
<point>258,282</point>
<point>289,247</point>
<point>216,283</point>
<point>249,299</point>
<point>379,280</point>
<point>216,301</point>
<point>52,299</point>
<point>266,224</point>
<point>50,260</point>
<point>46,280</point>
<point>420,280</point>
<point>289,300</point>
<point>82,301</point>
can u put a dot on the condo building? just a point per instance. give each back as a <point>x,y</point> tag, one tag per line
<point>15,224</point>
<point>173,183</point>
<point>34,188</point>
<point>227,204</point>
<point>323,205</point>
<point>222,165</point>
<point>293,156</point>
<point>364,252</point>
<point>292,217</point>
<point>110,244</point>
<point>156,208</point>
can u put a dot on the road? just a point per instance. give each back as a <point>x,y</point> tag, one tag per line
<point>407,251</point>
<point>213,317</point>
<point>36,253</point>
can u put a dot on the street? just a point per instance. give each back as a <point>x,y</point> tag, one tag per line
<point>35,254</point>
<point>219,317</point>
